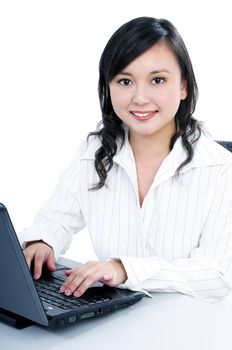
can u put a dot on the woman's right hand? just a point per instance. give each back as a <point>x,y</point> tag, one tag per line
<point>39,253</point>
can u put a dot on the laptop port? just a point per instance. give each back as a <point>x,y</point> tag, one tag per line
<point>100,311</point>
<point>72,319</point>
<point>107,309</point>
<point>120,306</point>
<point>87,315</point>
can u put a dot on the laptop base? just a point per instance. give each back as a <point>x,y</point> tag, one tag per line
<point>14,320</point>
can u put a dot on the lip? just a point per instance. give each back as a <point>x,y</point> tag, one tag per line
<point>147,117</point>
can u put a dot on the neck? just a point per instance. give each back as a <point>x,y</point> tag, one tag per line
<point>150,147</point>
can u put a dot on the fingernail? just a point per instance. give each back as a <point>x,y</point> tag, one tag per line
<point>77,294</point>
<point>62,289</point>
<point>67,292</point>
<point>36,275</point>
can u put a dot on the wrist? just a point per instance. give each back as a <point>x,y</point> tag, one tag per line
<point>121,271</point>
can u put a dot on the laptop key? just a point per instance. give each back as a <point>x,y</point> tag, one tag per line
<point>77,303</point>
<point>49,292</point>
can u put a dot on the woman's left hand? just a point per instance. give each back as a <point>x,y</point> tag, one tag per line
<point>111,273</point>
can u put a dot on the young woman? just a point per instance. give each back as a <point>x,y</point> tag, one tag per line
<point>153,191</point>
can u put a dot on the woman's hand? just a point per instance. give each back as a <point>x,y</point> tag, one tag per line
<point>80,279</point>
<point>40,253</point>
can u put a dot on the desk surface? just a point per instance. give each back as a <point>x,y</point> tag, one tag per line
<point>168,321</point>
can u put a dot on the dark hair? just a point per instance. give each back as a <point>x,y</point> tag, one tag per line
<point>127,43</point>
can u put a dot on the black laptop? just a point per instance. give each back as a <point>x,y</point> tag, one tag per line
<point>25,301</point>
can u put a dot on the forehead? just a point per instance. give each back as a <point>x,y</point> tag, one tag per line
<point>158,58</point>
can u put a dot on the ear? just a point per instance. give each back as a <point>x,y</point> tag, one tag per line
<point>183,90</point>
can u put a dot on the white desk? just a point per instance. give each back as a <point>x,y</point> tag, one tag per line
<point>166,322</point>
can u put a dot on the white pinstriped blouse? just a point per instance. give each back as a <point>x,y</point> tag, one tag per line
<point>180,240</point>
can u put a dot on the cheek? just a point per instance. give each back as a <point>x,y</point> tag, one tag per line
<point>171,99</point>
<point>119,101</point>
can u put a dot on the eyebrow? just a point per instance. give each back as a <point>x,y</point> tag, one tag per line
<point>153,72</point>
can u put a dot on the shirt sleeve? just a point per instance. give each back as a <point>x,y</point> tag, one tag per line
<point>207,272</point>
<point>60,217</point>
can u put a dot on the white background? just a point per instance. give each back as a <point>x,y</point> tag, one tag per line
<point>49,54</point>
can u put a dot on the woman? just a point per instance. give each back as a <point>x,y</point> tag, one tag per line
<point>154,192</point>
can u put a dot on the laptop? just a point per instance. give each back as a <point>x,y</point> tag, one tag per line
<point>25,301</point>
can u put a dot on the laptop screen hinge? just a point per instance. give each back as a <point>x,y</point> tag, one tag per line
<point>14,320</point>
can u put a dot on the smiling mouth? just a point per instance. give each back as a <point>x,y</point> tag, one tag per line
<point>143,116</point>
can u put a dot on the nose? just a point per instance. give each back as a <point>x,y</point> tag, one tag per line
<point>140,95</point>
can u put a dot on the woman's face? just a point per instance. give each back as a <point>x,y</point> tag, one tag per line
<point>146,94</point>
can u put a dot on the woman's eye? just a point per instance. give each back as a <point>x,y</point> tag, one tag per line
<point>124,82</point>
<point>159,80</point>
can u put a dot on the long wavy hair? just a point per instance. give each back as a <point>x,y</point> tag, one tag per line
<point>127,43</point>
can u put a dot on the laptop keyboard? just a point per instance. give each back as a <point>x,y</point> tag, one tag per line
<point>49,292</point>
